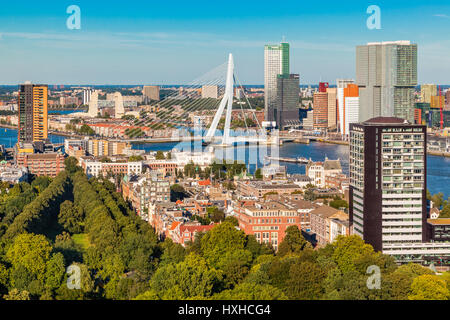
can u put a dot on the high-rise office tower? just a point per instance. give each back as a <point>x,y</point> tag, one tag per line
<point>323,86</point>
<point>286,110</point>
<point>388,183</point>
<point>276,62</point>
<point>341,85</point>
<point>33,112</point>
<point>427,91</point>
<point>151,93</point>
<point>320,106</point>
<point>332,111</point>
<point>386,73</point>
<point>350,107</point>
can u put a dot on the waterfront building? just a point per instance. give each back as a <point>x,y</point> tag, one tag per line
<point>323,86</point>
<point>320,114</point>
<point>341,85</point>
<point>202,159</point>
<point>386,73</point>
<point>276,62</point>
<point>308,122</point>
<point>332,108</point>
<point>318,171</point>
<point>33,112</point>
<point>351,107</point>
<point>286,110</point>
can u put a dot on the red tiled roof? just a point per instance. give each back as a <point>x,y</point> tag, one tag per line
<point>174,225</point>
<point>204,183</point>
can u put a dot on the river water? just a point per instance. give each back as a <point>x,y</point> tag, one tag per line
<point>438,168</point>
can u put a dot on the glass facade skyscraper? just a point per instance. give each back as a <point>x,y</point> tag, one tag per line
<point>386,74</point>
<point>276,62</point>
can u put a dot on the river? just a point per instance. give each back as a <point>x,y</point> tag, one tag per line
<point>438,168</point>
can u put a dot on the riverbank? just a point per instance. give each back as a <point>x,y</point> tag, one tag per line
<point>343,143</point>
<point>439,154</point>
<point>7,126</point>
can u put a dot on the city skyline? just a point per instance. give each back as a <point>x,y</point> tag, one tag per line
<point>122,45</point>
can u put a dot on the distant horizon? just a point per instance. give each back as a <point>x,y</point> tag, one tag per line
<point>443,86</point>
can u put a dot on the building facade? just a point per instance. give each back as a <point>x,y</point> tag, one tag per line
<point>386,73</point>
<point>286,111</point>
<point>276,62</point>
<point>388,182</point>
<point>33,112</point>
<point>151,93</point>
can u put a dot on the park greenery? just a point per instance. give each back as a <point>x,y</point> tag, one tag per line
<point>50,224</point>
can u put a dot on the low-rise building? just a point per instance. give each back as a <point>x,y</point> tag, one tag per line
<point>318,171</point>
<point>13,175</point>
<point>95,168</point>
<point>328,223</point>
<point>42,164</point>
<point>267,221</point>
<point>262,188</point>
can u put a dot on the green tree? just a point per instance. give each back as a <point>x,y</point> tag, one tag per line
<point>293,242</point>
<point>222,239</point>
<point>160,155</point>
<point>215,214</point>
<point>189,279</point>
<point>429,287</point>
<point>30,251</point>
<point>135,159</point>
<point>251,291</point>
<point>55,270</point>
<point>258,174</point>
<point>348,250</point>
<point>177,192</point>
<point>305,281</point>
<point>445,212</point>
<point>70,217</point>
<point>71,165</point>
<point>401,279</point>
<point>338,203</point>
<point>87,130</point>
<point>172,253</point>
<point>15,294</point>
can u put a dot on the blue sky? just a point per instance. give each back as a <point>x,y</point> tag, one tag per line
<point>162,42</point>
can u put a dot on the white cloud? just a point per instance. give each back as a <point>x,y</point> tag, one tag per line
<point>440,15</point>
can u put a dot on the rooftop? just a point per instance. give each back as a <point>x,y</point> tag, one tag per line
<point>387,120</point>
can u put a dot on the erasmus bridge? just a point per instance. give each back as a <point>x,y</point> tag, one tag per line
<point>175,110</point>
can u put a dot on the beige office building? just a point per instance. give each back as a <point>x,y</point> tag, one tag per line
<point>210,92</point>
<point>151,93</point>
